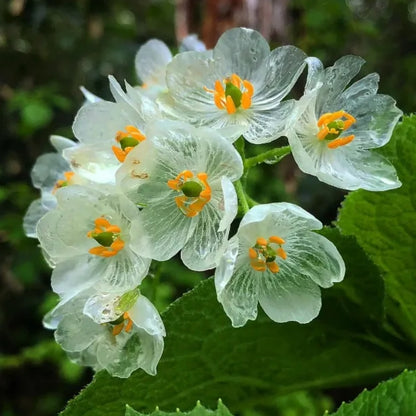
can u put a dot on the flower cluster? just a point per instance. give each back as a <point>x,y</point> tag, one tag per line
<point>159,171</point>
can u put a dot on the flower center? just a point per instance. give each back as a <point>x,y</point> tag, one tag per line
<point>127,140</point>
<point>232,93</point>
<point>108,236</point>
<point>120,324</point>
<point>63,182</point>
<point>263,254</point>
<point>196,192</point>
<point>331,126</point>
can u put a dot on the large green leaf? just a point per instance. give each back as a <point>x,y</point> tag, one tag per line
<point>205,358</point>
<point>395,397</point>
<point>384,224</point>
<point>198,410</point>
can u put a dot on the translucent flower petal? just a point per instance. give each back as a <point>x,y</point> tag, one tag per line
<point>192,43</point>
<point>146,317</point>
<point>60,143</point>
<point>289,296</point>
<point>244,52</point>
<point>47,170</point>
<point>89,96</point>
<point>337,77</point>
<point>34,213</point>
<point>315,257</point>
<point>238,293</point>
<point>151,61</point>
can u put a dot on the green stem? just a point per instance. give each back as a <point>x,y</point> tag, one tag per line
<point>271,156</point>
<point>241,195</point>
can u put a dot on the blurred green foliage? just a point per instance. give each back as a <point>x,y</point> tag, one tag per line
<point>48,48</point>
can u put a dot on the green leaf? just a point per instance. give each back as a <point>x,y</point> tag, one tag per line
<point>384,224</point>
<point>198,410</point>
<point>205,357</point>
<point>396,397</point>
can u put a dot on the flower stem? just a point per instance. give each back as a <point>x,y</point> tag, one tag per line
<point>270,157</point>
<point>242,200</point>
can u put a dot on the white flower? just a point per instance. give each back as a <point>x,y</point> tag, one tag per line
<point>337,128</point>
<point>87,237</point>
<point>275,260</point>
<point>50,172</point>
<point>107,131</point>
<point>238,86</point>
<point>183,179</point>
<point>116,332</point>
<point>151,61</point>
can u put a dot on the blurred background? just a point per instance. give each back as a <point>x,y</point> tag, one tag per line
<point>48,48</point>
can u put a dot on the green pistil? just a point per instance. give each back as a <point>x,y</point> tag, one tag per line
<point>128,142</point>
<point>191,189</point>
<point>234,92</point>
<point>338,125</point>
<point>105,238</point>
<point>267,252</point>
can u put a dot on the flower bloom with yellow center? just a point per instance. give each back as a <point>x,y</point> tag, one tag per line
<point>277,260</point>
<point>108,131</point>
<point>50,173</point>
<point>335,128</point>
<point>127,140</point>
<point>195,190</point>
<point>233,93</point>
<point>237,88</point>
<point>91,241</point>
<point>187,194</point>
<point>118,332</point>
<point>108,236</point>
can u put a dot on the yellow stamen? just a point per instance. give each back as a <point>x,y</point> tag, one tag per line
<point>108,236</point>
<point>63,182</point>
<point>331,125</point>
<point>262,255</point>
<point>191,204</point>
<point>127,327</point>
<point>134,135</point>
<point>230,101</point>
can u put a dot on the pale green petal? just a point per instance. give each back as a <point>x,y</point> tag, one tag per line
<point>239,293</point>
<point>145,316</point>
<point>337,77</point>
<point>230,203</point>
<point>34,213</point>
<point>289,296</point>
<point>151,61</point>
<point>359,90</point>
<point>101,307</point>
<point>314,256</point>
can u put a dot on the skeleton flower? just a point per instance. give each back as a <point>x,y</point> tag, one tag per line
<point>337,128</point>
<point>183,179</point>
<point>50,172</point>
<point>116,332</point>
<point>87,237</point>
<point>151,61</point>
<point>107,131</point>
<point>238,86</point>
<point>275,260</point>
